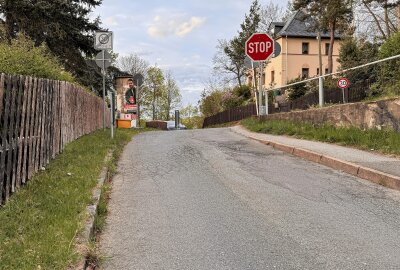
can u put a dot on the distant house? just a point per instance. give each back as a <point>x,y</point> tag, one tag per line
<point>299,55</point>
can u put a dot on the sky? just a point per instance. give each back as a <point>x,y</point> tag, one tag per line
<point>178,36</point>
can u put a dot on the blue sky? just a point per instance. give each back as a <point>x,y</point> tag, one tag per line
<point>179,36</point>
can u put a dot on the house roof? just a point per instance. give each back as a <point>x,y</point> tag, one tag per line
<point>298,25</point>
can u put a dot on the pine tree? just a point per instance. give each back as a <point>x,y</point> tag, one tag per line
<point>331,15</point>
<point>64,26</point>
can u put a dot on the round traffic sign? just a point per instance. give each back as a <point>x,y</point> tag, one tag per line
<point>343,83</point>
<point>259,47</point>
<point>104,38</point>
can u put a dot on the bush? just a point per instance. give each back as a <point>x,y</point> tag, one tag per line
<point>390,70</point>
<point>23,58</point>
<point>297,90</point>
<point>355,52</point>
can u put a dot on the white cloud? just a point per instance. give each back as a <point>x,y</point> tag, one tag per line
<point>178,25</point>
<point>187,27</point>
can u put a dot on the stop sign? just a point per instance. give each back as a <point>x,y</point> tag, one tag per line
<point>259,47</point>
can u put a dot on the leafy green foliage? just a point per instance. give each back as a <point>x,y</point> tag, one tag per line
<point>190,117</point>
<point>242,92</point>
<point>63,26</point>
<point>23,58</point>
<point>355,52</point>
<point>297,90</point>
<point>390,70</point>
<point>211,103</point>
<point>171,98</point>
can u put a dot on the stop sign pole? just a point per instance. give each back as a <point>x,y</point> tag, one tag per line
<point>259,48</point>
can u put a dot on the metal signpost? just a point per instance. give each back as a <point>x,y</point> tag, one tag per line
<point>177,120</point>
<point>104,41</point>
<point>260,47</point>
<point>138,80</point>
<point>343,83</point>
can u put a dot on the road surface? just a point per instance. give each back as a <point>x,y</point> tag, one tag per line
<point>212,199</point>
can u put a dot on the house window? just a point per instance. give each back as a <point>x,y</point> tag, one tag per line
<point>305,47</point>
<point>326,71</point>
<point>326,48</point>
<point>305,72</point>
<point>272,76</point>
<point>317,71</point>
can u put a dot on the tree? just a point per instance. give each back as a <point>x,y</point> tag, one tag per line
<point>235,48</point>
<point>225,65</point>
<point>355,52</point>
<point>64,26</point>
<point>172,96</point>
<point>211,102</point>
<point>379,15</point>
<point>390,70</point>
<point>133,64</point>
<point>331,15</point>
<point>269,13</point>
<point>152,92</point>
<point>190,117</point>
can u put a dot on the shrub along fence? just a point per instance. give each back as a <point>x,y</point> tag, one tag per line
<point>38,118</point>
<point>354,93</point>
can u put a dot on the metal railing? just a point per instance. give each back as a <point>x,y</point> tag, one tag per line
<point>321,84</point>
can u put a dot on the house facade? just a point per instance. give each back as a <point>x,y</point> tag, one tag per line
<point>299,52</point>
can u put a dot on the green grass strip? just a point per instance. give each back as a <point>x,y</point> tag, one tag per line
<point>385,140</point>
<point>40,222</point>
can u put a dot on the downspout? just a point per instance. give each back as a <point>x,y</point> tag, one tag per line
<point>286,65</point>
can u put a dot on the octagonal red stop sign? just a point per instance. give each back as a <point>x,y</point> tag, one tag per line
<point>259,47</point>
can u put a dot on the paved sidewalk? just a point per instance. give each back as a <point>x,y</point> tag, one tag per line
<point>364,159</point>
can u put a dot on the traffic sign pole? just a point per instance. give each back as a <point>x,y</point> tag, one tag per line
<point>104,90</point>
<point>255,86</point>
<point>260,89</point>
<point>260,47</point>
<point>112,114</point>
<point>344,101</point>
<point>321,91</point>
<point>266,101</point>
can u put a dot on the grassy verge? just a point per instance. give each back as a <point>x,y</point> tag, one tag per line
<point>39,224</point>
<point>385,141</point>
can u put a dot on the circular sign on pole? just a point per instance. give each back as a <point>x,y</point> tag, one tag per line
<point>259,47</point>
<point>343,83</point>
<point>277,49</point>
<point>103,40</point>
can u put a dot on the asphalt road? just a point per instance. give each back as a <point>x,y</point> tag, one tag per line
<point>212,199</point>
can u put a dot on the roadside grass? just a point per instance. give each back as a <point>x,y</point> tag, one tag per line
<point>386,140</point>
<point>39,224</point>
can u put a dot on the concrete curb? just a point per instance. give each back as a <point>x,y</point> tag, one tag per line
<point>83,239</point>
<point>378,177</point>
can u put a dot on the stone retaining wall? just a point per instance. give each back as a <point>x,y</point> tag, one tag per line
<point>365,115</point>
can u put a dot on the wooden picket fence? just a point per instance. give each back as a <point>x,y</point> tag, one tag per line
<point>38,118</point>
<point>354,93</point>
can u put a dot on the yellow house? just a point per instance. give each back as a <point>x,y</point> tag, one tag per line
<point>299,52</point>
